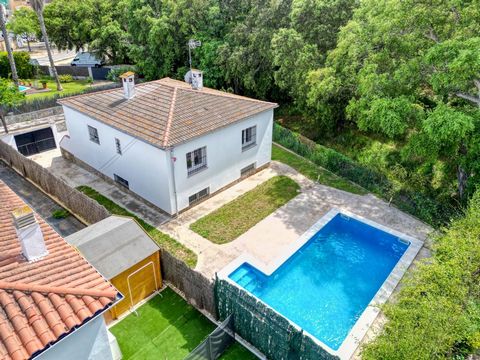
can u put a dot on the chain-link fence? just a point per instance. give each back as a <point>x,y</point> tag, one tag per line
<point>216,343</point>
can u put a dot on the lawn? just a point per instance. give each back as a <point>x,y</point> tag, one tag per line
<point>233,219</point>
<point>73,87</point>
<point>167,327</point>
<point>166,242</point>
<point>314,172</point>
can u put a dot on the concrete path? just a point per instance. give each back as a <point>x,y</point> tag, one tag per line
<point>39,202</point>
<point>266,240</point>
<point>75,175</point>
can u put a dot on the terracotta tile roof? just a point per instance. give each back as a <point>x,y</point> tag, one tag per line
<point>42,301</point>
<point>166,112</point>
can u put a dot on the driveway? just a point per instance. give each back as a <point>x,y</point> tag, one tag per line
<point>39,202</point>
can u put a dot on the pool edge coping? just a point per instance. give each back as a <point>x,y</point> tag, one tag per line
<point>368,316</point>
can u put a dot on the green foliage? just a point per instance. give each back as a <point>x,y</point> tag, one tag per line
<point>436,315</point>
<point>25,70</point>
<point>65,78</point>
<point>9,94</point>
<point>163,240</point>
<point>114,73</point>
<point>24,22</point>
<point>60,214</point>
<point>435,211</point>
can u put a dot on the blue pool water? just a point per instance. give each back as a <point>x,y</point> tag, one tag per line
<point>22,88</point>
<point>327,284</point>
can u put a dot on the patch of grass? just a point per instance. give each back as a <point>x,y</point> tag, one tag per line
<point>167,327</point>
<point>60,214</point>
<point>73,87</point>
<point>233,219</point>
<point>166,242</point>
<point>314,172</point>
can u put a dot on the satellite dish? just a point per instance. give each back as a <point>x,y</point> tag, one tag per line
<point>188,77</point>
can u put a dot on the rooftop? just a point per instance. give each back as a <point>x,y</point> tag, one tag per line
<point>113,245</point>
<point>166,112</point>
<point>42,301</point>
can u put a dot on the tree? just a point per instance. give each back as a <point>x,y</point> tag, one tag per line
<point>7,45</point>
<point>409,70</point>
<point>38,6</point>
<point>9,96</point>
<point>24,22</point>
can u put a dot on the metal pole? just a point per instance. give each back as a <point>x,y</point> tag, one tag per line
<point>8,45</point>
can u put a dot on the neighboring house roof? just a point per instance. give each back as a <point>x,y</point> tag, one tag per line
<point>113,245</point>
<point>42,301</point>
<point>166,112</point>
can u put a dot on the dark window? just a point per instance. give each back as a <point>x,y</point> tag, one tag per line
<point>93,133</point>
<point>192,199</point>
<point>118,146</point>
<point>249,137</point>
<point>121,180</point>
<point>196,160</point>
<point>247,170</point>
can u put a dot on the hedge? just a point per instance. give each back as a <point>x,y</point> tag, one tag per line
<point>425,207</point>
<point>436,315</point>
<point>25,70</point>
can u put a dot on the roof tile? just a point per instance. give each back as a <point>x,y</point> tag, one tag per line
<point>167,112</point>
<point>44,300</point>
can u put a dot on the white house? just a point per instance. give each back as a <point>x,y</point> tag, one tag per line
<point>168,142</point>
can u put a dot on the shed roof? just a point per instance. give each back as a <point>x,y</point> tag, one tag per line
<point>166,112</point>
<point>42,301</point>
<point>113,245</point>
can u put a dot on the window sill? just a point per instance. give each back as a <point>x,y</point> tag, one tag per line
<point>196,171</point>
<point>248,147</point>
<point>98,143</point>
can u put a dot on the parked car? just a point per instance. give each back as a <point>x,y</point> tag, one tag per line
<point>87,59</point>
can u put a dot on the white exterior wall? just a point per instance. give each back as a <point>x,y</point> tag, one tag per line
<point>89,342</point>
<point>148,169</point>
<point>10,137</point>
<point>225,157</point>
<point>142,165</point>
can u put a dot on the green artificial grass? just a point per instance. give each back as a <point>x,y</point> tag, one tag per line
<point>314,172</point>
<point>73,87</point>
<point>163,240</point>
<point>167,328</point>
<point>233,219</point>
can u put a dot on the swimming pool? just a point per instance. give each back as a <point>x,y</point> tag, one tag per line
<point>335,271</point>
<point>22,88</point>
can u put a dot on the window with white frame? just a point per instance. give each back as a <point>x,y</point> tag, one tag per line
<point>196,160</point>
<point>93,134</point>
<point>249,137</point>
<point>118,146</point>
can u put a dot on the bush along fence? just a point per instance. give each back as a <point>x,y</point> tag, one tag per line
<point>421,205</point>
<point>263,327</point>
<point>196,288</point>
<point>44,103</point>
<point>70,198</point>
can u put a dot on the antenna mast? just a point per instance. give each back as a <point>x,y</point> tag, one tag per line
<point>192,44</point>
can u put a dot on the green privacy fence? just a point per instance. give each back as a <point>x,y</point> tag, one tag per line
<point>264,328</point>
<point>426,207</point>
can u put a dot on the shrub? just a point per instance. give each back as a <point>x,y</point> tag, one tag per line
<point>432,210</point>
<point>114,73</point>
<point>25,70</point>
<point>436,315</point>
<point>60,214</point>
<point>65,78</point>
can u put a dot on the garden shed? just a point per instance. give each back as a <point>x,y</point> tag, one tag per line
<point>125,255</point>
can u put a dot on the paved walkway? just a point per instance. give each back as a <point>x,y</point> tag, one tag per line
<point>39,202</point>
<point>266,240</point>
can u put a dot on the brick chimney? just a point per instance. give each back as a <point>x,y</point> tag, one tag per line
<point>128,81</point>
<point>29,234</point>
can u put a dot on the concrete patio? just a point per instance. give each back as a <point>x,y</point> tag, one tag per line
<point>266,240</point>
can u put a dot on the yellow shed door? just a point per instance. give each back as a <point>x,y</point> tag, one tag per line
<point>139,281</point>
